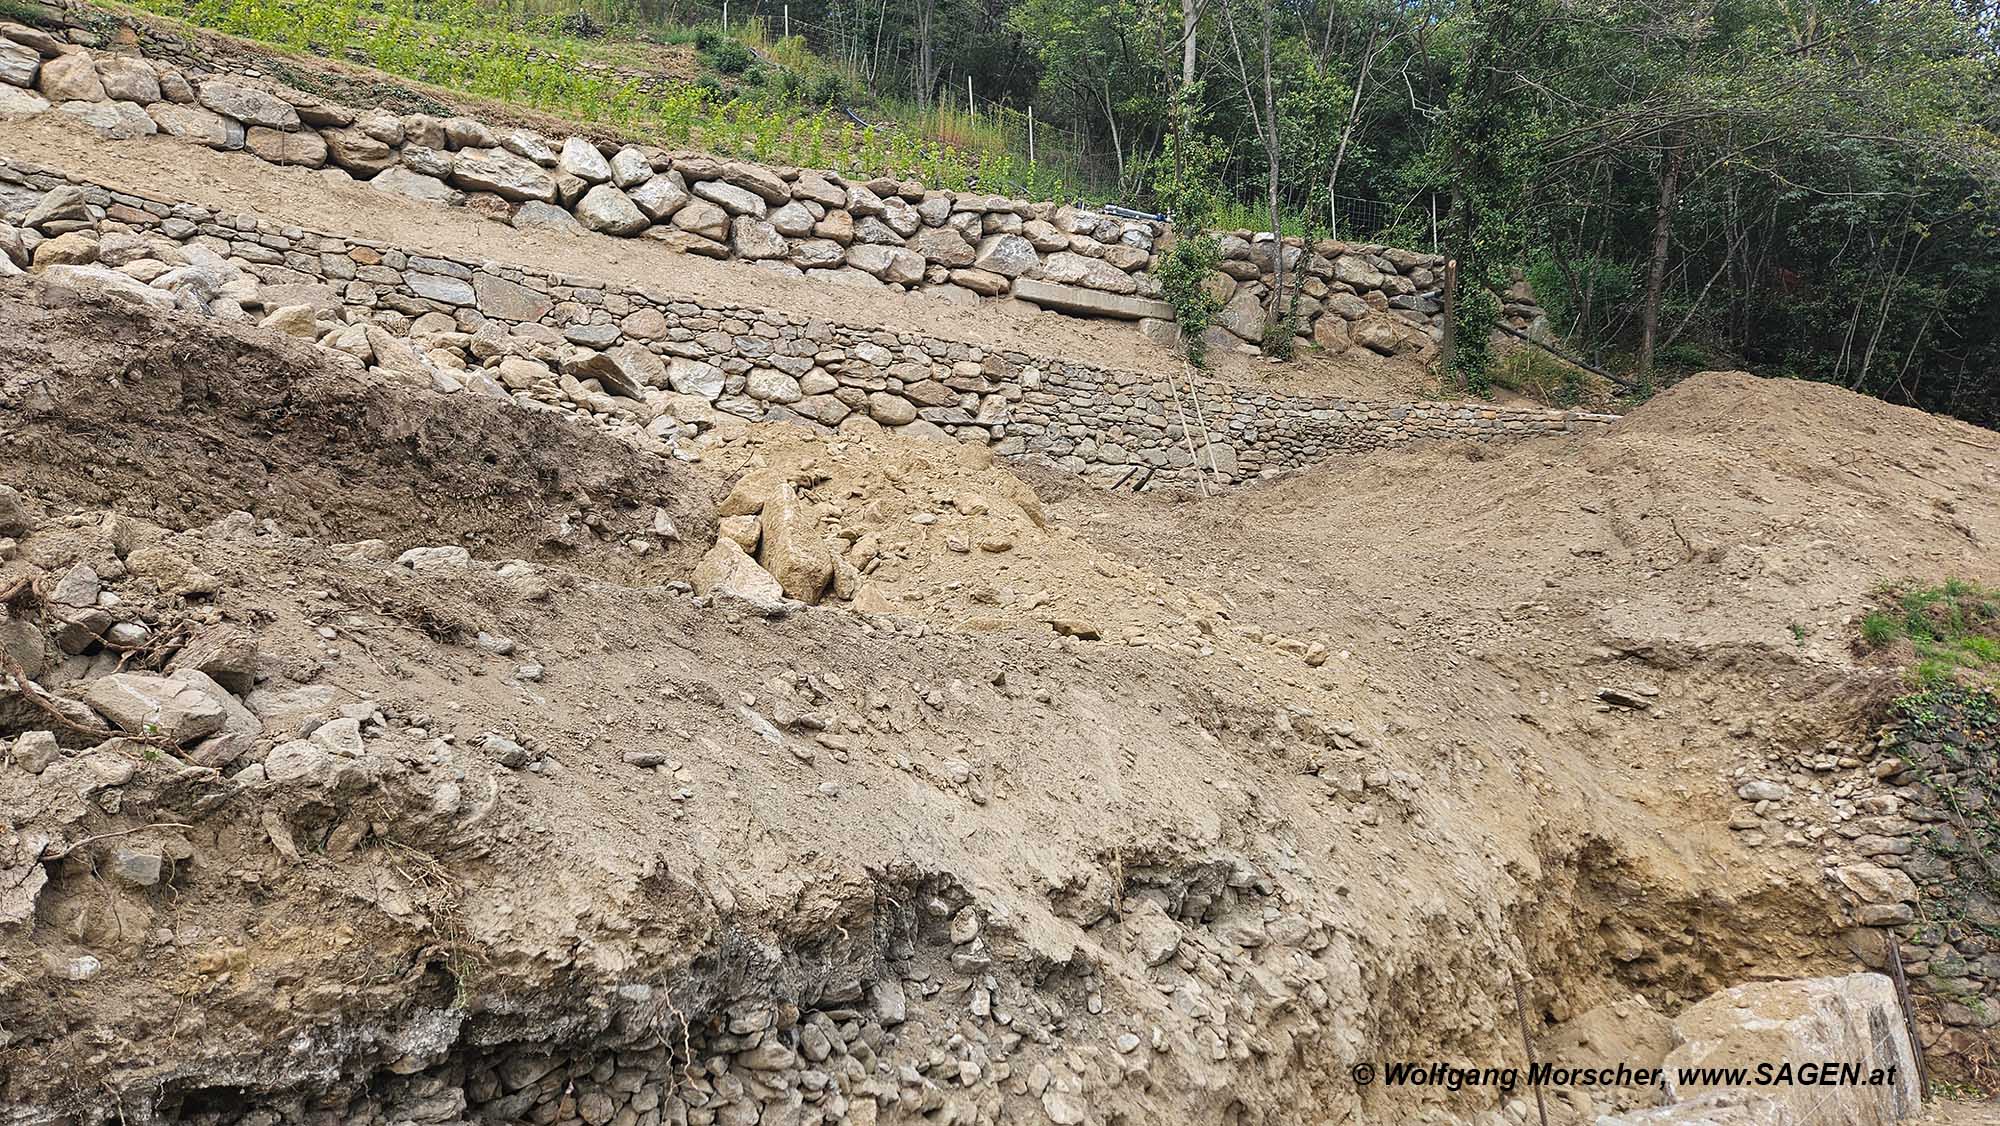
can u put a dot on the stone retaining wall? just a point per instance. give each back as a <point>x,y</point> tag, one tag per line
<point>871,232</point>
<point>657,369</point>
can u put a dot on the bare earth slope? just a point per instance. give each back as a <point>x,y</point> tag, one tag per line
<point>1162,812</point>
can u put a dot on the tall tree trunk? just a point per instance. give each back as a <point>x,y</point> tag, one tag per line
<point>926,13</point>
<point>1190,21</point>
<point>1656,270</point>
<point>1276,312</point>
<point>1347,130</point>
<point>1117,146</point>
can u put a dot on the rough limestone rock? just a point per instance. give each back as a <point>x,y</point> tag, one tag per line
<point>14,100</point>
<point>1007,255</point>
<point>889,263</point>
<point>505,174</point>
<point>71,78</point>
<point>535,215</point>
<point>727,571</point>
<point>128,79</point>
<point>733,199</point>
<point>118,121</point>
<point>661,196</point>
<point>1243,315</point>
<point>755,239</point>
<point>468,133</point>
<point>76,248</point>
<point>793,550</point>
<point>1852,1019</point>
<point>818,189</point>
<point>247,104</point>
<point>891,410</point>
<point>792,220</point>
<point>581,159</point>
<point>693,377</point>
<point>1347,305</point>
<point>155,705</point>
<point>755,178</point>
<point>1330,333</point>
<point>1390,336</point>
<point>605,208</point>
<point>354,149</point>
<point>19,65</point>
<point>1356,272</point>
<point>700,217</point>
<point>628,370</point>
<point>301,147</point>
<point>944,246</point>
<point>404,182</point>
<point>1067,267</point>
<point>108,283</point>
<point>193,123</point>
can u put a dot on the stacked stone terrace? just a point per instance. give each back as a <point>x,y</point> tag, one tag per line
<point>658,369</point>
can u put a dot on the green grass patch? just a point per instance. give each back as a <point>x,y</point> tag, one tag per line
<point>1952,630</point>
<point>784,113</point>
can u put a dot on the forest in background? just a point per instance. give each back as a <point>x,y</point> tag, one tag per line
<point>1800,188</point>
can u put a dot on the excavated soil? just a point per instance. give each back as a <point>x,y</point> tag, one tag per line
<point>1269,783</point>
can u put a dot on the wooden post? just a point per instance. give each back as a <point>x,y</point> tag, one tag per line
<point>968,94</point>
<point>788,21</point>
<point>1528,1044</point>
<point>1031,134</point>
<point>725,15</point>
<point>1434,222</point>
<point>1450,340</point>
<point>1909,1007</point>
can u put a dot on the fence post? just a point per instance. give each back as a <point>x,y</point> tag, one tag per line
<point>1450,341</point>
<point>1031,134</point>
<point>1434,222</point>
<point>788,21</point>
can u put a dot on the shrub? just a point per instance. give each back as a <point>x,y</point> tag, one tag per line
<point>1477,311</point>
<point>827,90</point>
<point>730,57</point>
<point>1181,273</point>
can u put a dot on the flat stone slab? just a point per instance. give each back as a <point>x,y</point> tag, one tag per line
<point>1090,302</point>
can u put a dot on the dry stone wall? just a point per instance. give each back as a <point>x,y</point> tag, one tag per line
<point>879,232</point>
<point>658,370</point>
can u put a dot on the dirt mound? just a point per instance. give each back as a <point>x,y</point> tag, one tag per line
<point>1080,828</point>
<point>189,419</point>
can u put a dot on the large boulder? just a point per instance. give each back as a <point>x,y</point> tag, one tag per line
<point>889,263</point>
<point>193,123</point>
<point>1852,1020</point>
<point>605,208</point>
<point>943,245</point>
<point>1008,255</point>
<point>71,78</point>
<point>156,705</point>
<point>302,147</point>
<point>755,239</point>
<point>581,159</point>
<point>404,182</point>
<point>128,79</point>
<point>731,198</point>
<point>19,65</point>
<point>1070,268</point>
<point>794,551</point>
<point>726,571</point>
<point>661,196</point>
<point>695,377</point>
<point>358,151</point>
<point>247,104</point>
<point>758,180</point>
<point>505,174</point>
<point>700,217</point>
<point>118,121</point>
